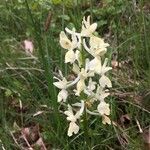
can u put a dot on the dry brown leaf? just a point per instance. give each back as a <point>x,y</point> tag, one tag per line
<point>146,136</point>
<point>31,133</point>
<point>115,64</point>
<point>48,21</point>
<point>146,139</point>
<point>125,120</point>
<point>40,144</point>
<point>28,46</point>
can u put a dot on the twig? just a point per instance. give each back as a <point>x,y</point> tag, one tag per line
<point>16,141</point>
<point>20,68</point>
<point>138,106</point>
<point>138,124</point>
<point>2,146</point>
<point>27,142</point>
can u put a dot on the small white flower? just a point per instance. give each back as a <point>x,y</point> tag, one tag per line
<point>91,85</point>
<point>103,108</point>
<point>83,74</point>
<point>71,117</point>
<point>97,46</point>
<point>64,41</point>
<point>101,94</point>
<point>70,45</point>
<point>87,28</point>
<point>61,84</point>
<point>76,35</point>
<point>104,80</point>
<point>104,68</point>
<point>73,127</point>
<point>95,65</point>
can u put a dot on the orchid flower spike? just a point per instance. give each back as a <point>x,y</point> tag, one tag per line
<point>90,81</point>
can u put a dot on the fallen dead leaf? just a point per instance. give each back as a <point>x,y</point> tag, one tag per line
<point>146,139</point>
<point>115,64</point>
<point>40,144</point>
<point>31,133</point>
<point>125,120</point>
<point>28,46</point>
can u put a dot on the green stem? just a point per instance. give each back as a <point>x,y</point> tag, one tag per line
<point>91,10</point>
<point>86,132</point>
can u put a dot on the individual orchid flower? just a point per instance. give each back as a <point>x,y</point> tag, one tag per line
<point>95,65</point>
<point>87,28</point>
<point>67,43</point>
<point>83,74</point>
<point>97,46</point>
<point>61,84</point>
<point>103,108</point>
<point>104,80</point>
<point>64,41</point>
<point>70,45</point>
<point>73,127</point>
<point>76,35</point>
<point>101,94</point>
<point>71,56</point>
<point>105,68</point>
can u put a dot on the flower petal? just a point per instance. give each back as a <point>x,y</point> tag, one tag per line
<point>105,120</point>
<point>80,87</point>
<point>103,108</point>
<point>62,95</point>
<point>64,41</point>
<point>60,85</point>
<point>105,81</point>
<point>73,128</point>
<point>76,68</point>
<point>70,56</point>
<point>95,65</point>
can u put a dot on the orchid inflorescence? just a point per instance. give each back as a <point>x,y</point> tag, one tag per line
<point>84,53</point>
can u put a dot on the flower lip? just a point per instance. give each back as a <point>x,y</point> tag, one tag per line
<point>103,108</point>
